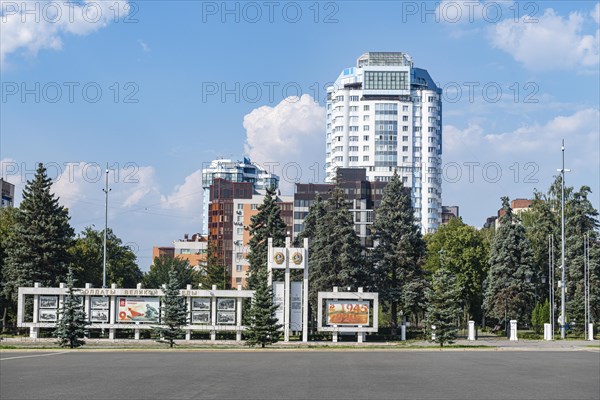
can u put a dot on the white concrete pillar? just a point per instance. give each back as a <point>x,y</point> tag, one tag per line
<point>590,332</point>
<point>113,312</point>
<point>238,317</point>
<point>33,331</point>
<point>403,332</point>
<point>547,331</point>
<point>471,330</point>
<point>513,330</point>
<point>136,334</point>
<point>432,332</point>
<point>213,316</point>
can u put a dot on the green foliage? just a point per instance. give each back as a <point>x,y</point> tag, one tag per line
<point>462,250</point>
<point>581,218</point>
<point>540,315</point>
<point>7,229</point>
<point>508,295</point>
<point>87,254</point>
<point>335,256</point>
<point>443,307</point>
<point>71,326</point>
<point>173,309</point>
<point>540,221</point>
<point>315,213</point>
<point>263,328</point>
<point>215,271</point>
<point>160,272</point>
<point>38,249</point>
<point>399,254</point>
<point>267,223</point>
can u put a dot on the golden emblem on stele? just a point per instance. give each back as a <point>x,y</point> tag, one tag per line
<point>297,258</point>
<point>279,258</point>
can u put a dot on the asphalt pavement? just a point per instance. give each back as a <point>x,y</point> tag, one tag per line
<point>363,374</point>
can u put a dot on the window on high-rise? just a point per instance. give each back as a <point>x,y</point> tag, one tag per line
<point>365,128</point>
<point>353,158</point>
<point>404,108</point>
<point>366,138</point>
<point>386,80</point>
<point>353,98</point>
<point>366,108</point>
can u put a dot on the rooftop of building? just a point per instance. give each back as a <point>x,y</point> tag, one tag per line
<point>384,58</point>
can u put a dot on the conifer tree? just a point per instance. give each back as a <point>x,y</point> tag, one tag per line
<point>215,271</point>
<point>581,218</point>
<point>267,223</point>
<point>336,255</point>
<point>71,326</point>
<point>315,213</point>
<point>509,294</point>
<point>263,328</point>
<point>443,307</point>
<point>399,253</point>
<point>173,309</point>
<point>38,249</point>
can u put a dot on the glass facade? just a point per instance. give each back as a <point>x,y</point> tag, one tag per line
<point>386,80</point>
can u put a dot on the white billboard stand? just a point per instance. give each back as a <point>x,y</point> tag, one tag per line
<point>288,258</point>
<point>348,312</point>
<point>471,330</point>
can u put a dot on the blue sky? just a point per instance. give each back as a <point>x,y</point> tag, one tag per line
<point>161,67</point>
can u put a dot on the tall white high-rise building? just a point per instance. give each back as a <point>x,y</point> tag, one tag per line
<point>234,171</point>
<point>385,115</point>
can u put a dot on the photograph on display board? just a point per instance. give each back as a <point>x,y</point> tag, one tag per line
<point>47,315</point>
<point>225,304</point>
<point>48,301</point>
<point>226,317</point>
<point>138,309</point>
<point>99,303</point>
<point>99,315</point>
<point>200,303</point>
<point>200,317</point>
<point>347,312</point>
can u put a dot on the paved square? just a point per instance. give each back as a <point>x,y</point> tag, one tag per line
<point>301,375</point>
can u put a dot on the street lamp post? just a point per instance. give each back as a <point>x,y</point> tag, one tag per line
<point>105,190</point>
<point>563,308</point>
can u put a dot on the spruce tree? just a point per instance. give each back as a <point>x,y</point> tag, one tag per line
<point>336,255</point>
<point>315,213</point>
<point>262,328</point>
<point>443,307</point>
<point>267,223</point>
<point>215,271</point>
<point>174,313</point>
<point>508,294</point>
<point>581,218</point>
<point>38,249</point>
<point>71,326</point>
<point>399,253</point>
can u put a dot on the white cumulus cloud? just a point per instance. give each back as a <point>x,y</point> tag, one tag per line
<point>36,25</point>
<point>550,41</point>
<point>289,138</point>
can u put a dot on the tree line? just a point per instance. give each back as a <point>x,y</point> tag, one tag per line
<point>37,244</point>
<point>446,278</point>
<point>456,274</point>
